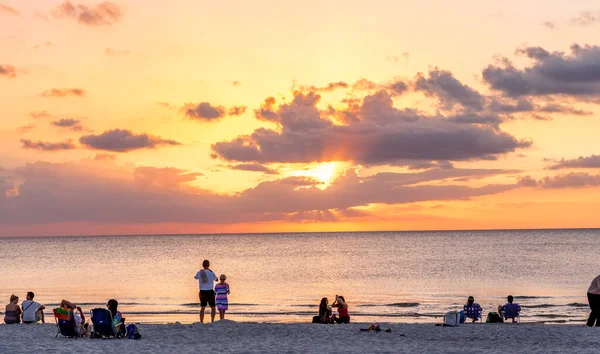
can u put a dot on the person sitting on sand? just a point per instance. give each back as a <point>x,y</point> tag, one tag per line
<point>593,295</point>
<point>81,326</point>
<point>342,306</point>
<point>221,292</point>
<point>118,323</point>
<point>325,312</point>
<point>206,279</point>
<point>509,310</point>
<point>472,309</point>
<point>32,311</point>
<point>12,313</point>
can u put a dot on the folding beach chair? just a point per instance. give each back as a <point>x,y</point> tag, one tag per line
<point>65,323</point>
<point>473,313</point>
<point>102,320</point>
<point>512,312</point>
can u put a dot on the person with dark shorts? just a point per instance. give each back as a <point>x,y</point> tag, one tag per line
<point>206,279</point>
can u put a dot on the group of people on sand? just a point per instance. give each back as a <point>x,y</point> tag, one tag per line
<point>473,311</point>
<point>326,314</point>
<point>211,294</point>
<point>29,312</point>
<point>33,312</point>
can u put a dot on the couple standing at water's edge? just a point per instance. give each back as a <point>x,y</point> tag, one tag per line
<point>211,294</point>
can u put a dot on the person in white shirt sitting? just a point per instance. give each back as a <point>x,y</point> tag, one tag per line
<point>33,312</point>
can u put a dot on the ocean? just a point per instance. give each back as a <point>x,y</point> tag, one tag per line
<point>384,276</point>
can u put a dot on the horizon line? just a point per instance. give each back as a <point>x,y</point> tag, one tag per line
<point>308,232</point>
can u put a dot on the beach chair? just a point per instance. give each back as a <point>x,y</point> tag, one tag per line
<point>102,320</point>
<point>473,313</point>
<point>512,312</point>
<point>65,323</point>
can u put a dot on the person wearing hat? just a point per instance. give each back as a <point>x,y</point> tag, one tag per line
<point>472,309</point>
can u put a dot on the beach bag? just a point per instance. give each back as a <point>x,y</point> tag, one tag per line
<point>317,319</point>
<point>132,332</point>
<point>452,319</point>
<point>493,317</point>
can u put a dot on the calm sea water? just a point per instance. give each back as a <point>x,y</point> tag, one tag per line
<point>384,276</point>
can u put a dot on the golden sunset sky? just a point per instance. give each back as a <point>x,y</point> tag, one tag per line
<point>193,116</point>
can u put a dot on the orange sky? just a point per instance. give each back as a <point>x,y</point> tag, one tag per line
<point>267,116</point>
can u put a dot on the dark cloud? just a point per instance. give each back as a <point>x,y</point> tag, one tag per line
<point>254,167</point>
<point>8,71</point>
<point>586,18</point>
<point>40,114</point>
<point>570,180</point>
<point>121,140</point>
<point>104,13</point>
<point>592,161</point>
<point>332,86</point>
<point>5,9</point>
<point>116,52</point>
<point>577,74</point>
<point>444,86</point>
<point>68,123</point>
<point>207,112</point>
<point>77,92</point>
<point>122,194</point>
<point>378,133</point>
<point>47,146</point>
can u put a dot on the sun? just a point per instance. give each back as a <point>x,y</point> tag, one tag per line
<point>323,172</point>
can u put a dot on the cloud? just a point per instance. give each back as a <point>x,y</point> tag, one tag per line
<point>448,90</point>
<point>549,24</point>
<point>586,18</point>
<point>68,123</point>
<point>5,9</point>
<point>577,74</point>
<point>116,52</point>
<point>44,45</point>
<point>47,146</point>
<point>570,180</point>
<point>396,58</point>
<point>236,83</point>
<point>237,110</point>
<point>40,114</point>
<point>206,112</point>
<point>376,133</point>
<point>77,92</point>
<point>25,129</point>
<point>592,161</point>
<point>104,13</point>
<point>8,71</point>
<point>126,194</point>
<point>254,167</point>
<point>121,140</point>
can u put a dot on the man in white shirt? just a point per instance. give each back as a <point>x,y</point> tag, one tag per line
<point>206,279</point>
<point>32,311</point>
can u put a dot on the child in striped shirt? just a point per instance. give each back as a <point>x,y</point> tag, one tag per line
<point>221,292</point>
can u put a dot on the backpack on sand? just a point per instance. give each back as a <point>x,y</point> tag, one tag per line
<point>494,317</point>
<point>132,332</point>
<point>452,319</point>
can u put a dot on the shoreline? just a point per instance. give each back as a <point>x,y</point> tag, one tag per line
<point>238,337</point>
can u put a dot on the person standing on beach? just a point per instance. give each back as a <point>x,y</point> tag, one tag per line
<point>206,279</point>
<point>593,295</point>
<point>32,311</point>
<point>221,292</point>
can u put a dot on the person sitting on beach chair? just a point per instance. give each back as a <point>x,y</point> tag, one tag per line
<point>472,309</point>
<point>78,317</point>
<point>108,322</point>
<point>510,310</point>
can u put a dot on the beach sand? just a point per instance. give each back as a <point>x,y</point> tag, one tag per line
<point>231,337</point>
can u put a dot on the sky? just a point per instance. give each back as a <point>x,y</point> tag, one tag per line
<point>193,116</point>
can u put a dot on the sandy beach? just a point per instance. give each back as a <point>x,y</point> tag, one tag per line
<point>231,337</point>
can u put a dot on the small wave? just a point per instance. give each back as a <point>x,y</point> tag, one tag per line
<point>531,297</point>
<point>577,304</point>
<point>197,304</point>
<point>540,306</point>
<point>396,304</point>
